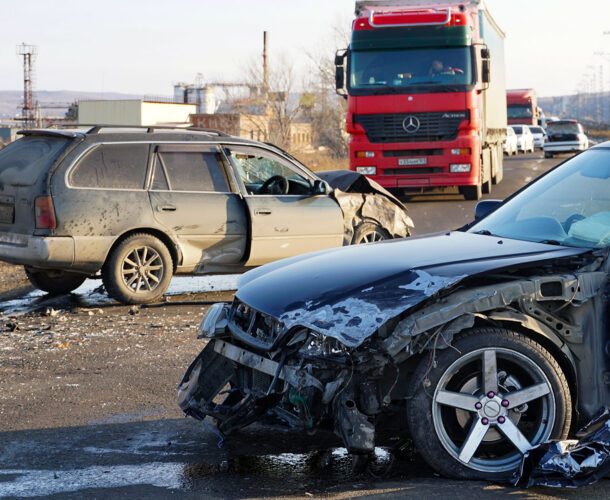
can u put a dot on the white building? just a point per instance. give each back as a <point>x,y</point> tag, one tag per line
<point>134,112</point>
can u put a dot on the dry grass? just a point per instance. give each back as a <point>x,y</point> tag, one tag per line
<point>320,161</point>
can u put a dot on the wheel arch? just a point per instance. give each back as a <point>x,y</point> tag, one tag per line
<point>172,247</point>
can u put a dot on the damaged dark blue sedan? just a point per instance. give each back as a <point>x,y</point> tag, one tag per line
<point>483,342</point>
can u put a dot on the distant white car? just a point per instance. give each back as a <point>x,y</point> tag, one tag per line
<point>525,139</point>
<point>539,135</point>
<point>510,143</point>
<point>564,136</point>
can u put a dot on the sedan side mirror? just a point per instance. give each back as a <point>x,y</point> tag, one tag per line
<point>319,187</point>
<point>485,207</point>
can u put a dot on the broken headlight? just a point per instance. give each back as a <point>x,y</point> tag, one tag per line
<point>321,346</point>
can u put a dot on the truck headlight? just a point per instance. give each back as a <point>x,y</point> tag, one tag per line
<point>460,151</point>
<point>365,154</point>
<point>367,170</point>
<point>455,168</point>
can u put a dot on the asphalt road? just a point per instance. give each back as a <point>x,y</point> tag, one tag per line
<point>87,408</point>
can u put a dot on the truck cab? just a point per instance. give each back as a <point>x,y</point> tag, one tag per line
<point>426,95</point>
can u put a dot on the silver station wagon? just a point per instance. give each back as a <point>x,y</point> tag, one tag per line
<point>138,205</point>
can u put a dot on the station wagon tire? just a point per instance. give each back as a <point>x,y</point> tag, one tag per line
<point>54,282</point>
<point>138,270</point>
<point>369,232</point>
<point>470,425</point>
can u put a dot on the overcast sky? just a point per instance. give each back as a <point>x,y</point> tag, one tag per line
<point>144,46</point>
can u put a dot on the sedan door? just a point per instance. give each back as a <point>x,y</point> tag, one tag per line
<point>286,219</point>
<point>191,196</point>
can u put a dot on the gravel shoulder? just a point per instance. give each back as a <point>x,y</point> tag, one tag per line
<point>93,365</point>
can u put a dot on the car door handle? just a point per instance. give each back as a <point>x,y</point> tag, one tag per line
<point>167,208</point>
<point>262,211</point>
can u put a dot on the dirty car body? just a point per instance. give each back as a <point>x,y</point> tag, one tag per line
<point>482,342</point>
<point>141,204</point>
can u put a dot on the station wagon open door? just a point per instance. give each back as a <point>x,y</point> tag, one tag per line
<point>286,217</point>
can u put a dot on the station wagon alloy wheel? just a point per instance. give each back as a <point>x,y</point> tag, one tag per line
<point>138,270</point>
<point>369,232</point>
<point>142,269</point>
<point>482,403</point>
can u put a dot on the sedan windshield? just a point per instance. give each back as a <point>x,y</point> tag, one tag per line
<point>569,206</point>
<point>395,69</point>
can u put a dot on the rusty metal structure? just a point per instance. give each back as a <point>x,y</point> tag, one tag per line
<point>28,114</point>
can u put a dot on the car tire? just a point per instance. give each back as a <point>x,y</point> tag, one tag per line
<point>472,193</point>
<point>548,155</point>
<point>54,282</point>
<point>453,437</point>
<point>369,232</point>
<point>138,270</point>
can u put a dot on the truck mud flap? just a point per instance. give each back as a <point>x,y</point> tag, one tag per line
<point>204,379</point>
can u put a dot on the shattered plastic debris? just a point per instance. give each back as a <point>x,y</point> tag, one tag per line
<point>570,463</point>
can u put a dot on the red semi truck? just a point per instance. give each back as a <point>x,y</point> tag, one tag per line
<point>426,95</point>
<point>522,107</point>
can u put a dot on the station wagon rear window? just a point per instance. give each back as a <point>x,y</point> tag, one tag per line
<point>112,166</point>
<point>22,161</point>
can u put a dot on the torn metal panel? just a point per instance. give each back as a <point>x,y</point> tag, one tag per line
<point>357,207</point>
<point>570,463</point>
<point>576,288</point>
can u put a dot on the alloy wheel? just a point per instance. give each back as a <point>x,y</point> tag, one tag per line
<point>490,407</point>
<point>142,269</point>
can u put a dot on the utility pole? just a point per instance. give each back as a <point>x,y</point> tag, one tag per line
<point>28,52</point>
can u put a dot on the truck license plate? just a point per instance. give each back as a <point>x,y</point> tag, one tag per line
<point>7,213</point>
<point>403,162</point>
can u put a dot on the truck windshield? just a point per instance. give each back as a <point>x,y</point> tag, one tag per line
<point>388,71</point>
<point>519,111</point>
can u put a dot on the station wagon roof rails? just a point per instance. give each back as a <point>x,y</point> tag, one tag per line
<point>149,129</point>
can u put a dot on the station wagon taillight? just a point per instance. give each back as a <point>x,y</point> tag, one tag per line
<point>45,213</point>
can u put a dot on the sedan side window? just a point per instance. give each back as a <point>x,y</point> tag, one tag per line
<point>264,173</point>
<point>190,171</point>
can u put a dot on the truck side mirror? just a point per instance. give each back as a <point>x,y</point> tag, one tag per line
<point>486,71</point>
<point>340,72</point>
<point>339,78</point>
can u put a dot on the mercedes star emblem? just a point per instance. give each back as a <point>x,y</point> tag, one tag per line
<point>410,124</point>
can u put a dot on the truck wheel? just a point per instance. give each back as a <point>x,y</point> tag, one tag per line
<point>485,402</point>
<point>496,179</point>
<point>138,270</point>
<point>472,192</point>
<point>369,232</point>
<point>486,186</point>
<point>54,282</point>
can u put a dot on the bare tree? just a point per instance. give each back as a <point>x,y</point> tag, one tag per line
<point>273,109</point>
<point>328,116</point>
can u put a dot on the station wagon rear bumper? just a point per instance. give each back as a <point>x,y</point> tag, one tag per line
<point>36,251</point>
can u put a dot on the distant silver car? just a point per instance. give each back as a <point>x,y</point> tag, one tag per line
<point>138,205</point>
<point>539,135</point>
<point>510,143</point>
<point>564,136</point>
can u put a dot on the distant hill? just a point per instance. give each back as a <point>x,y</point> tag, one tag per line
<point>12,100</point>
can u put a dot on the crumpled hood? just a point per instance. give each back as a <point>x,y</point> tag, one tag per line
<point>348,293</point>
